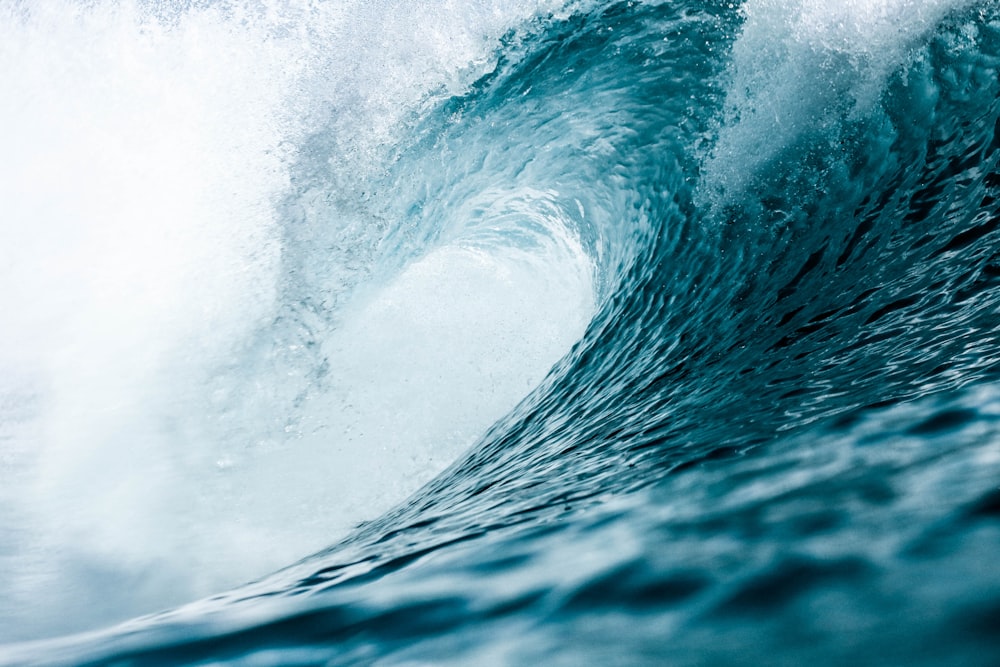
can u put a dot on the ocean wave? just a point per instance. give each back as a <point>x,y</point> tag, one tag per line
<point>668,329</point>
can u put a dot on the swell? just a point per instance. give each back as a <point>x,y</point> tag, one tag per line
<point>845,284</point>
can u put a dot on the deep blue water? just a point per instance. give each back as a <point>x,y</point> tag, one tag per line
<point>778,439</point>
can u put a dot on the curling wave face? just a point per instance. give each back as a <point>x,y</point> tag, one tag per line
<point>772,231</point>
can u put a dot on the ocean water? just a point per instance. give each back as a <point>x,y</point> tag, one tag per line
<point>501,332</point>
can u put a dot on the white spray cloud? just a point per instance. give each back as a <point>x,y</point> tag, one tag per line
<point>145,151</point>
<point>799,65</point>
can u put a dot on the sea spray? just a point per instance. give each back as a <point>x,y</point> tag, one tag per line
<point>192,405</point>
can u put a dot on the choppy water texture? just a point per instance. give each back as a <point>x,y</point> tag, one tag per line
<point>765,237</point>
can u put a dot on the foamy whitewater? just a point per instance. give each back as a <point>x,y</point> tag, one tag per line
<point>499,332</point>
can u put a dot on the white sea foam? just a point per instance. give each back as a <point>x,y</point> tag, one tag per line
<point>161,437</point>
<point>800,65</point>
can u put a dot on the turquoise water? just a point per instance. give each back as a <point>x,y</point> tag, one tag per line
<point>577,333</point>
